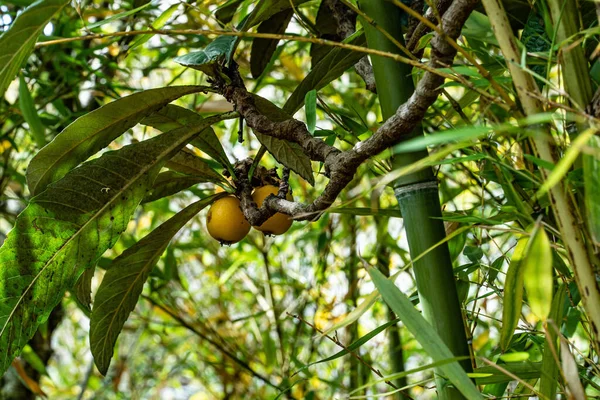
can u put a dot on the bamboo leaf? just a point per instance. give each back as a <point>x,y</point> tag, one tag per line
<point>354,345</point>
<point>287,153</point>
<point>124,280</point>
<point>158,23</point>
<point>171,117</point>
<point>513,294</point>
<point>523,370</point>
<point>537,268</point>
<point>355,314</point>
<point>262,49</point>
<point>310,108</point>
<point>68,227</point>
<point>550,374</point>
<point>331,67</point>
<point>18,41</point>
<point>118,16</point>
<point>571,372</point>
<point>30,114</point>
<point>591,178</point>
<point>206,59</point>
<point>423,333</point>
<point>94,131</point>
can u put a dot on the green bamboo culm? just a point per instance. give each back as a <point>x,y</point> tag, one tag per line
<point>418,197</point>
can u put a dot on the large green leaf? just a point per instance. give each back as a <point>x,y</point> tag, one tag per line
<point>94,131</point>
<point>205,60</point>
<point>67,228</point>
<point>591,176</point>
<point>172,116</point>
<point>18,41</point>
<point>331,67</point>
<point>424,333</point>
<point>124,280</point>
<point>262,49</point>
<point>288,153</point>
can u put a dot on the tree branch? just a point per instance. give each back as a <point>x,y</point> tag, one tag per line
<point>340,166</point>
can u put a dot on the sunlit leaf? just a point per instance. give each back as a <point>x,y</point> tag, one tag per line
<point>158,23</point>
<point>217,51</point>
<point>310,108</point>
<point>94,131</point>
<point>124,280</point>
<point>538,280</point>
<point>591,175</point>
<point>18,41</point>
<point>117,17</point>
<point>265,9</point>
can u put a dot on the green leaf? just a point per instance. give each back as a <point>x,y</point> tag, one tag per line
<point>550,374</point>
<point>225,13</point>
<point>124,280</point>
<point>564,165</point>
<point>94,131</point>
<point>186,162</point>
<point>287,153</point>
<point>172,117</point>
<point>591,178</point>
<point>265,9</point>
<point>168,183</point>
<point>355,314</point>
<point>117,17</point>
<point>68,227</point>
<point>513,294</point>
<point>354,345</point>
<point>30,114</point>
<point>83,290</point>
<point>262,49</point>
<point>331,67</point>
<point>18,41</point>
<point>523,370</point>
<point>310,108</point>
<point>423,333</point>
<point>538,280</point>
<point>157,24</point>
<point>205,60</point>
<point>517,356</point>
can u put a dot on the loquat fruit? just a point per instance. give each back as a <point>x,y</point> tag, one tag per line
<point>279,223</point>
<point>226,222</point>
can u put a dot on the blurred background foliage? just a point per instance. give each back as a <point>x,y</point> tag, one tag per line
<point>218,322</point>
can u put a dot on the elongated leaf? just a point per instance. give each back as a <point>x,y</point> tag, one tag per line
<point>570,369</point>
<point>591,177</point>
<point>205,60</point>
<point>550,375</point>
<point>355,314</point>
<point>94,131</point>
<point>289,154</point>
<point>18,41</point>
<point>265,9</point>
<point>225,13</point>
<point>172,117</point>
<point>30,114</point>
<point>537,266</point>
<point>331,67</point>
<point>423,333</point>
<point>67,228</point>
<point>170,182</point>
<point>354,345</point>
<point>186,162</point>
<point>310,108</point>
<point>157,24</point>
<point>83,290</point>
<point>523,370</point>
<point>262,49</point>
<point>124,280</point>
<point>513,294</point>
<point>118,16</point>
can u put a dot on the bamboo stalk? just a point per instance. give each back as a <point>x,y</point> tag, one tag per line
<point>562,203</point>
<point>418,197</point>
